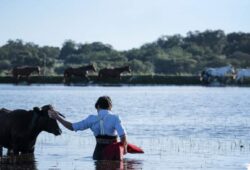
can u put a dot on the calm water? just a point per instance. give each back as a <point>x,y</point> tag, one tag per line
<point>178,127</point>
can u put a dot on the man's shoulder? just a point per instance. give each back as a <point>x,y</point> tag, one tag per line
<point>114,116</point>
<point>92,118</point>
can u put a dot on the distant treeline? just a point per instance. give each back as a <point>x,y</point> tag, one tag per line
<point>172,55</point>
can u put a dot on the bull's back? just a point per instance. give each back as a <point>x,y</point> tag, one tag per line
<point>17,118</point>
<point>12,124</point>
<point>67,71</point>
<point>5,135</point>
<point>24,70</point>
<point>4,116</point>
<point>107,71</point>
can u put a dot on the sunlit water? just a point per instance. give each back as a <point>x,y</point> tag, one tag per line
<point>178,127</point>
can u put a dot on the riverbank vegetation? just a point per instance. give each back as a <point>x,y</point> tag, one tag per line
<point>168,55</point>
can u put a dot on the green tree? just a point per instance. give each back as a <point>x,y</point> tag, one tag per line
<point>69,47</point>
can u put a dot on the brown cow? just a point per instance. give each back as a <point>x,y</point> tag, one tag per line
<point>25,71</point>
<point>80,72</point>
<point>113,73</point>
<point>20,128</point>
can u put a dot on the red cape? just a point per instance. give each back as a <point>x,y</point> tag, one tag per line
<point>115,151</point>
<point>134,149</point>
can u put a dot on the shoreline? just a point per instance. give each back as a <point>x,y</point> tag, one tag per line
<point>125,80</point>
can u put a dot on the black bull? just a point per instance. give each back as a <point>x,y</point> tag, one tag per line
<point>20,128</point>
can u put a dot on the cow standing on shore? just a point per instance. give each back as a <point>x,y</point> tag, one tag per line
<point>242,74</point>
<point>113,72</point>
<point>220,74</point>
<point>79,72</point>
<point>24,71</point>
<point>20,128</point>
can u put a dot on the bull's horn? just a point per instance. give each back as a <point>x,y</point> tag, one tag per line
<point>60,114</point>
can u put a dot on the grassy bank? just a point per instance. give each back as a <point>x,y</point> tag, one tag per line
<point>129,80</point>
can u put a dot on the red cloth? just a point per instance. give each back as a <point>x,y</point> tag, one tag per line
<point>115,151</point>
<point>134,149</point>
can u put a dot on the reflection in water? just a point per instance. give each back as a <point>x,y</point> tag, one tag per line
<point>22,162</point>
<point>114,165</point>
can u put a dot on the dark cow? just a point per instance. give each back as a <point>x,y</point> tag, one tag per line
<point>79,71</point>
<point>113,72</point>
<point>25,71</point>
<point>20,128</point>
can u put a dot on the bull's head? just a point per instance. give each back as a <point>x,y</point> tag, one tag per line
<point>48,124</point>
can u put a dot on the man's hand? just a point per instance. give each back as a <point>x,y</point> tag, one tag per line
<point>125,143</point>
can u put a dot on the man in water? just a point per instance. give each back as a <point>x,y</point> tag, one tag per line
<point>105,126</point>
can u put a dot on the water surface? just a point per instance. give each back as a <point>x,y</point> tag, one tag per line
<point>179,127</point>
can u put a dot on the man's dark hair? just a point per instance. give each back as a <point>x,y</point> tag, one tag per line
<point>104,102</point>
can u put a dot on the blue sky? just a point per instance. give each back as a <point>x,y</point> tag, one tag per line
<point>124,24</point>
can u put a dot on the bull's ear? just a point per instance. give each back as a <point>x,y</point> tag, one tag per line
<point>51,107</point>
<point>47,107</point>
<point>36,109</point>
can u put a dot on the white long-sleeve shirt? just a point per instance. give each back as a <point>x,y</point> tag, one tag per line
<point>111,123</point>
